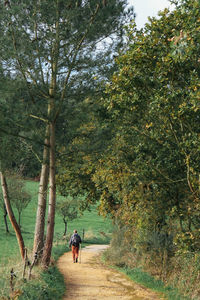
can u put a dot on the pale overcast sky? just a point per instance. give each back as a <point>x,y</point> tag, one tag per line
<point>145,8</point>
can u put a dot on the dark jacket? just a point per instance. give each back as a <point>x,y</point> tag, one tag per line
<point>75,240</point>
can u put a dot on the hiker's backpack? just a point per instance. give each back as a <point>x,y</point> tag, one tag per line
<point>75,240</point>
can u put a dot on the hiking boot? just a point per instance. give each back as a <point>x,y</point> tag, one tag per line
<point>76,259</point>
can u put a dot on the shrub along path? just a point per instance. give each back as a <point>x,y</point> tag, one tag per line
<point>92,280</point>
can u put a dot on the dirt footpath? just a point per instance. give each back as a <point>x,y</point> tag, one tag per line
<point>91,280</point>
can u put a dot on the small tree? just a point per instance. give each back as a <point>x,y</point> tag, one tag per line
<point>20,198</point>
<point>68,210</point>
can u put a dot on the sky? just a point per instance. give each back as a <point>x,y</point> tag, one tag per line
<point>145,8</point>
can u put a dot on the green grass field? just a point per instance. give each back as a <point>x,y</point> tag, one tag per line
<point>97,230</point>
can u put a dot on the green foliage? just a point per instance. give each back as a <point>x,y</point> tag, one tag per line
<point>68,210</point>
<point>138,150</point>
<point>63,41</point>
<point>124,256</point>
<point>151,162</point>
<point>185,274</point>
<point>78,157</point>
<point>155,152</point>
<point>69,35</point>
<point>55,50</point>
<point>18,194</point>
<point>21,136</point>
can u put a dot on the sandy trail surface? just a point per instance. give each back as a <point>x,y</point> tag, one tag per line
<point>91,280</point>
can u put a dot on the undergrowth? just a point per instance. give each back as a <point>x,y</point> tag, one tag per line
<point>150,282</point>
<point>180,282</point>
<point>50,286</point>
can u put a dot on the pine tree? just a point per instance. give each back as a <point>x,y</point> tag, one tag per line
<point>52,45</point>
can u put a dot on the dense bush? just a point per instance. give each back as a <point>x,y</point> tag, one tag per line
<point>186,273</point>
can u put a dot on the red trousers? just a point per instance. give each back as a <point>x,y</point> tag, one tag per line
<point>75,251</point>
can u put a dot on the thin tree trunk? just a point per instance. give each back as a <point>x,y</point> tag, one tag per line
<point>19,219</point>
<point>65,222</point>
<point>181,223</point>
<point>11,215</point>
<point>52,200</point>
<point>25,264</point>
<point>5,217</point>
<point>41,210</point>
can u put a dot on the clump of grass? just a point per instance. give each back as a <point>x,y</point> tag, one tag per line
<point>50,286</point>
<point>59,250</point>
<point>6,267</point>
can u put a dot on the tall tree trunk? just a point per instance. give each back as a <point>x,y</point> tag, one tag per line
<point>51,114</point>
<point>11,215</point>
<point>41,210</point>
<point>52,200</point>
<point>5,217</point>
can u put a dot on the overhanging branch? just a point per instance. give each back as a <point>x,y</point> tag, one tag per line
<point>22,137</point>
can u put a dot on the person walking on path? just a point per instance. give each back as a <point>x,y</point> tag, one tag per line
<point>74,243</point>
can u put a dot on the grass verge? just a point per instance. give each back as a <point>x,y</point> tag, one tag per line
<point>150,282</point>
<point>145,279</point>
<point>50,285</point>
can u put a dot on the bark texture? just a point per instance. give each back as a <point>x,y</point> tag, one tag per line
<point>41,209</point>
<point>52,200</point>
<point>5,218</point>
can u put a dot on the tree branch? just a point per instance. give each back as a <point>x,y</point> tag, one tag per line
<point>74,59</point>
<point>39,118</point>
<point>31,148</point>
<point>21,136</point>
<point>20,65</point>
<point>37,49</point>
